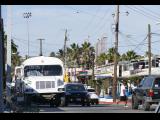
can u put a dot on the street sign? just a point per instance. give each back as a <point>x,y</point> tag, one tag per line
<point>83,72</point>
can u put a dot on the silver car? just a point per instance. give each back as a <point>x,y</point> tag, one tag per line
<point>94,99</point>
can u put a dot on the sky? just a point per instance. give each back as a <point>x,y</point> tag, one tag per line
<point>83,22</point>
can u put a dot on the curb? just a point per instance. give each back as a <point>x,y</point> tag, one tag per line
<point>113,103</point>
<point>129,102</point>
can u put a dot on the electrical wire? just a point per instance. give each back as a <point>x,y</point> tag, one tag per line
<point>151,11</point>
<point>141,13</point>
<point>105,17</point>
<point>91,20</point>
<point>82,11</point>
<point>145,12</point>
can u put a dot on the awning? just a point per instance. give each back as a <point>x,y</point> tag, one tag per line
<point>103,76</point>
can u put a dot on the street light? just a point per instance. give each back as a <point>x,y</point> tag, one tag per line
<point>27,15</point>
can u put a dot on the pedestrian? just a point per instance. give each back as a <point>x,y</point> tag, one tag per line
<point>123,96</point>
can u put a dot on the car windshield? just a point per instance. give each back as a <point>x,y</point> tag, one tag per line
<point>42,70</point>
<point>91,90</point>
<point>75,88</point>
<point>148,82</point>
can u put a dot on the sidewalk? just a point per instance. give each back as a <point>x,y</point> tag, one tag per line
<point>109,100</point>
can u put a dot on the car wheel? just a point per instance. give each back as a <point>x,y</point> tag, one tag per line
<point>27,99</point>
<point>88,103</point>
<point>64,102</point>
<point>83,104</point>
<point>97,102</point>
<point>51,103</point>
<point>92,102</point>
<point>57,104</point>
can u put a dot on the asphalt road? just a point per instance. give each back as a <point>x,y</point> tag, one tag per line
<point>110,108</point>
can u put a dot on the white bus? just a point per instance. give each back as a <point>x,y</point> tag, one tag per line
<point>40,79</point>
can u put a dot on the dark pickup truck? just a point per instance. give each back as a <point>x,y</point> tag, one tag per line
<point>75,93</point>
<point>147,93</point>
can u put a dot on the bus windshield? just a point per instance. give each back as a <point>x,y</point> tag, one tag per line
<point>42,70</point>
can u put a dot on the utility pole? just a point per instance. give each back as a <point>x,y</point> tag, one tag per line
<point>115,56</point>
<point>93,58</point>
<point>41,46</point>
<point>64,55</point>
<point>9,35</point>
<point>75,71</point>
<point>149,49</point>
<point>1,68</point>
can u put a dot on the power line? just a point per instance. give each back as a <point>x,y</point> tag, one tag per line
<point>98,24</point>
<point>103,25</point>
<point>124,36</point>
<point>144,44</point>
<point>91,20</point>
<point>19,39</point>
<point>151,11</point>
<point>82,11</point>
<point>141,13</point>
<point>140,42</point>
<point>150,14</point>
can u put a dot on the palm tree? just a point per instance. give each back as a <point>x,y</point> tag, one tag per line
<point>60,54</point>
<point>86,47</point>
<point>52,54</point>
<point>123,57</point>
<point>110,55</point>
<point>91,56</point>
<point>75,53</point>
<point>101,59</point>
<point>15,57</point>
<point>69,60</point>
<point>131,55</point>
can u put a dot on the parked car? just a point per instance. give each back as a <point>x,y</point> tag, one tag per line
<point>147,93</point>
<point>75,93</point>
<point>94,99</point>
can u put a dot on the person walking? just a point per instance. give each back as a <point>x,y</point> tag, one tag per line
<point>123,96</point>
